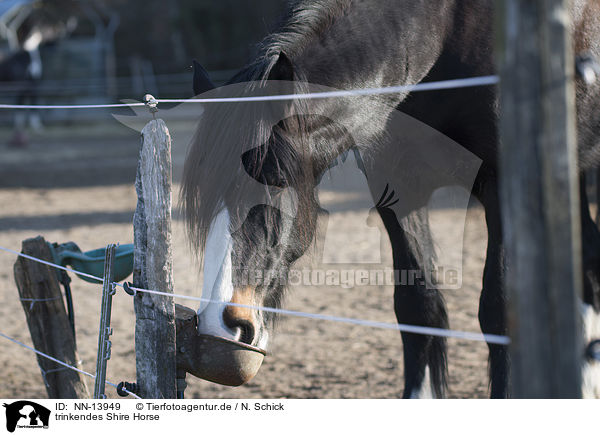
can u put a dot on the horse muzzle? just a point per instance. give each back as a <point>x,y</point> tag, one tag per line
<point>216,359</point>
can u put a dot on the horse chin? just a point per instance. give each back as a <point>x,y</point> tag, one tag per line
<point>223,360</point>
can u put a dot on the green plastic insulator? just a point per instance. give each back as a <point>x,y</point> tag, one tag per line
<point>92,262</point>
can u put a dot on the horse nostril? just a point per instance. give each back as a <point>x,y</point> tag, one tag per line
<point>247,329</point>
<point>245,326</point>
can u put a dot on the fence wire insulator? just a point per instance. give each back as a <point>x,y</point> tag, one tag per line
<point>587,68</point>
<point>151,103</point>
<point>124,389</point>
<point>127,287</point>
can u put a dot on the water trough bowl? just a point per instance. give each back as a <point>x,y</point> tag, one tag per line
<point>215,359</point>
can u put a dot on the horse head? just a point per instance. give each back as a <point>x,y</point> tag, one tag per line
<point>248,194</point>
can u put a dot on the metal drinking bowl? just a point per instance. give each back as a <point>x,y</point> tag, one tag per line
<point>215,359</point>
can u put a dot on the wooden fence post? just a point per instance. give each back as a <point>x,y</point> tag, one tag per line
<point>539,196</point>
<point>48,323</point>
<point>155,315</point>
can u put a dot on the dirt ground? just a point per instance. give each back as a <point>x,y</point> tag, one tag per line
<point>77,185</point>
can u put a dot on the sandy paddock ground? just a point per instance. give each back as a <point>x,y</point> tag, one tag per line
<point>79,187</point>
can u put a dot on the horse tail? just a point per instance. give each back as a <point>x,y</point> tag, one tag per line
<point>437,355</point>
<point>438,366</point>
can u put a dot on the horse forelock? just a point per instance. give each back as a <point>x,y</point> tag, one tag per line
<point>212,168</point>
<point>214,176</point>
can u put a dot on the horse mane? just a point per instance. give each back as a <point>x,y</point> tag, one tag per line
<point>304,21</point>
<point>301,23</point>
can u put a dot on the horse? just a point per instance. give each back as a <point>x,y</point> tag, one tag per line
<point>265,225</point>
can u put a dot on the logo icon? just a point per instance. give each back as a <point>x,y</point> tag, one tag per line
<point>26,414</point>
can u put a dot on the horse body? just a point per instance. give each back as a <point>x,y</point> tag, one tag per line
<point>346,44</point>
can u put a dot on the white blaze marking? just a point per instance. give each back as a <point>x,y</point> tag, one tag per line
<point>217,284</point>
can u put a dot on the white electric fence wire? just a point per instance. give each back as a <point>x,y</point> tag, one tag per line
<point>65,365</point>
<point>423,330</point>
<point>419,87</point>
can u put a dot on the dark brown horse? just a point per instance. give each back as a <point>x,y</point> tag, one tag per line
<point>251,173</point>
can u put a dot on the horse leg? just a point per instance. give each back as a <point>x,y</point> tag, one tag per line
<point>590,308</point>
<point>590,244</point>
<point>492,303</point>
<point>425,365</point>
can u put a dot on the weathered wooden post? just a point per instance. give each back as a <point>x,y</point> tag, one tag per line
<point>48,323</point>
<point>155,314</point>
<point>539,194</point>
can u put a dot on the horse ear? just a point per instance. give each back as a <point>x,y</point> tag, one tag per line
<point>202,82</point>
<point>283,69</point>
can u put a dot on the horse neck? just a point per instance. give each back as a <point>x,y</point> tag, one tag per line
<point>367,44</point>
<point>375,43</point>
<point>586,31</point>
